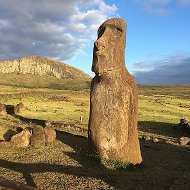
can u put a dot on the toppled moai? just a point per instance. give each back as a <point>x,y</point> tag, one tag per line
<point>38,137</point>
<point>42,136</point>
<point>112,128</point>
<point>50,134</point>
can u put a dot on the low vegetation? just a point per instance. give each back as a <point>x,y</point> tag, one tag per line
<point>67,164</point>
<point>45,81</point>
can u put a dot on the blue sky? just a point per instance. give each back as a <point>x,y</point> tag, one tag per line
<point>158,34</point>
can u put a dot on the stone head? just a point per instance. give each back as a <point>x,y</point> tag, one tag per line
<point>109,48</point>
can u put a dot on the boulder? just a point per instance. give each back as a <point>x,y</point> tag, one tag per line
<point>22,139</point>
<point>50,134</point>
<point>38,136</point>
<point>18,107</point>
<point>6,145</point>
<point>184,126</point>
<point>184,140</point>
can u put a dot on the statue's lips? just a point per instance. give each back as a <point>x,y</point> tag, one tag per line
<point>99,53</point>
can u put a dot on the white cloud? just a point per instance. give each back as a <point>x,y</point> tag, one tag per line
<point>107,8</point>
<point>52,28</point>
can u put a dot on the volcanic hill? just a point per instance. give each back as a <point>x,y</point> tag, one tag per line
<point>42,72</point>
<point>39,65</point>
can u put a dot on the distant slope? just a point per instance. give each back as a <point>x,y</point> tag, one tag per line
<point>39,65</point>
<point>42,72</point>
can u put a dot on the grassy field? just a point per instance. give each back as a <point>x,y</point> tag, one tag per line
<point>65,164</point>
<point>44,81</point>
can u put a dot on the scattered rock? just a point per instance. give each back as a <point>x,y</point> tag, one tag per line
<point>155,140</point>
<point>38,137</point>
<point>21,105</point>
<point>60,98</point>
<point>48,123</point>
<point>50,134</point>
<point>6,145</point>
<point>3,110</point>
<point>184,126</point>
<point>22,139</point>
<point>66,99</point>
<point>18,107</point>
<point>184,140</point>
<point>146,138</point>
<point>80,104</point>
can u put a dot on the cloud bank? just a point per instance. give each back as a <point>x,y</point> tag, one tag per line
<point>54,28</point>
<point>171,70</point>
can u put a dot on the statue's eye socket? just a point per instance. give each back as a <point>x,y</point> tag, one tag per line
<point>119,29</point>
<point>100,31</point>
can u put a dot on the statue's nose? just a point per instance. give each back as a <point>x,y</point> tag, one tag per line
<point>100,43</point>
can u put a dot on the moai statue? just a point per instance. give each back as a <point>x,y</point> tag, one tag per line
<point>112,129</point>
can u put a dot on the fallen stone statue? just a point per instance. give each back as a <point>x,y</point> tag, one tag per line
<point>112,128</point>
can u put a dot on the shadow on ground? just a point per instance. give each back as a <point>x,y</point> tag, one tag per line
<point>160,128</point>
<point>11,111</point>
<point>164,166</point>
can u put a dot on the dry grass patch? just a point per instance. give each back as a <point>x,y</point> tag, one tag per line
<point>66,164</point>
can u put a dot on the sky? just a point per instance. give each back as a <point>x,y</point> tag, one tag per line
<point>158,34</point>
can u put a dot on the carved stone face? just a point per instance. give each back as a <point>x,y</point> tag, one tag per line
<point>109,47</point>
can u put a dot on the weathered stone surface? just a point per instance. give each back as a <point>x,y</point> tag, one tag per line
<point>3,109</point>
<point>184,140</point>
<point>50,134</point>
<point>18,107</point>
<point>22,139</point>
<point>38,137</point>
<point>112,129</point>
<point>6,145</point>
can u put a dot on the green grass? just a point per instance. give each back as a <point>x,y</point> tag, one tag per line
<point>110,164</point>
<point>64,164</point>
<point>35,81</point>
<point>159,105</point>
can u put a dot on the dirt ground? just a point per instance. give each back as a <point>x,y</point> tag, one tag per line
<point>66,164</point>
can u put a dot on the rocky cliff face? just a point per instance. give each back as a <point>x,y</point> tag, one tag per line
<point>38,65</point>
